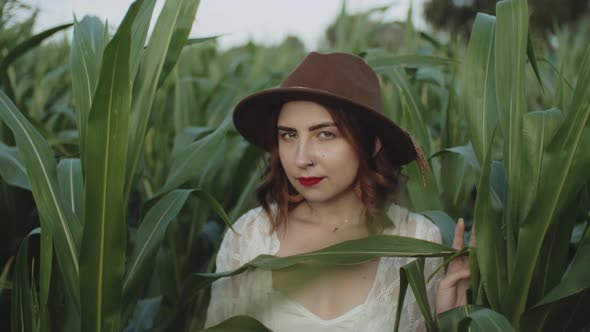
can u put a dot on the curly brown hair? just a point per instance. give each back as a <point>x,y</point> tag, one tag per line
<point>379,178</point>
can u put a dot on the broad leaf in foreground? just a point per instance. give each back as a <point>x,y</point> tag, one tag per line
<point>102,258</point>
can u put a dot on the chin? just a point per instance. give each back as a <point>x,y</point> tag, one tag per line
<point>313,198</point>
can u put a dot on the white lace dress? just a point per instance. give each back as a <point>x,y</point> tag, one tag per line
<point>251,293</point>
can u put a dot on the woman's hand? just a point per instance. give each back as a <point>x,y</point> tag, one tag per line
<point>452,288</point>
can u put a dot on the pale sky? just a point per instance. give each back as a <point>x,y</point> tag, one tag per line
<point>264,21</point>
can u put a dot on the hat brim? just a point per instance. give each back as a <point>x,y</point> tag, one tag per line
<point>252,118</point>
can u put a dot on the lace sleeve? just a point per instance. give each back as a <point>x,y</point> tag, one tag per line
<point>237,295</point>
<point>224,291</point>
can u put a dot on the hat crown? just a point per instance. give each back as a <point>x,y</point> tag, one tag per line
<point>345,75</point>
<point>338,80</point>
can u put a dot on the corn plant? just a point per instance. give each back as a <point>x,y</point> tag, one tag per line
<point>126,218</point>
<point>103,93</point>
<point>527,202</point>
<point>82,202</point>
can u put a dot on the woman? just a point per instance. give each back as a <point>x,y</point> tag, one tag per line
<point>335,163</point>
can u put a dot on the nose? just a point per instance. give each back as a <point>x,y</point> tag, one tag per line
<point>304,154</point>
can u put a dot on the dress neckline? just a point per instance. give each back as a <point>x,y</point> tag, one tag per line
<point>276,246</point>
<point>311,315</point>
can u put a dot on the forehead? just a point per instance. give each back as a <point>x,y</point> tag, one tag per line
<point>303,113</point>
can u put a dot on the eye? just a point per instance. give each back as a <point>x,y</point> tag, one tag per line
<point>287,135</point>
<point>326,135</point>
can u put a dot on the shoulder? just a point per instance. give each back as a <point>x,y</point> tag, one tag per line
<point>411,224</point>
<point>250,238</point>
<point>254,219</point>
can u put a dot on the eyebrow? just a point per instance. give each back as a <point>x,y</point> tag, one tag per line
<point>312,128</point>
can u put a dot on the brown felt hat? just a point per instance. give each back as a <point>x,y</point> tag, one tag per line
<point>337,80</point>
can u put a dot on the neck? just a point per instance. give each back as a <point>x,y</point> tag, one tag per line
<point>345,210</point>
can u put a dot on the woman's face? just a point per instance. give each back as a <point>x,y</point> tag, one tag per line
<point>319,162</point>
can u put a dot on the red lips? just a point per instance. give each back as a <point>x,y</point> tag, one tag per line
<point>309,181</point>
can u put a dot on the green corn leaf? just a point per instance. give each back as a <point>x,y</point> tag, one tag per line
<point>448,260</point>
<point>55,214</point>
<point>12,168</point>
<point>427,36</point>
<point>4,281</point>
<point>183,25</point>
<point>423,195</point>
<point>560,306</point>
<point>564,88</point>
<point>559,73</point>
<point>144,315</point>
<point>577,278</point>
<point>566,314</point>
<point>24,315</point>
<point>415,122</point>
<point>413,274</point>
<point>476,296</point>
<point>249,160</point>
<point>45,263</point>
<point>473,318</point>
<point>344,253</point>
<point>214,204</point>
<point>488,222</point>
<point>478,97</point>
<point>564,170</point>
<point>530,52</point>
<point>411,38</point>
<point>485,320</point>
<point>89,40</point>
<point>445,224</point>
<point>342,27</point>
<point>246,199</point>
<point>436,77</point>
<point>71,182</point>
<point>187,136</point>
<point>138,35</point>
<point>21,49</point>
<point>186,110</point>
<point>510,52</point>
<point>498,181</point>
<point>239,324</point>
<point>151,232</point>
<point>192,159</point>
<point>216,176</point>
<point>381,61</point>
<point>193,41</point>
<point>539,128</point>
<point>168,37</point>
<point>466,152</point>
<point>28,45</point>
<point>102,258</point>
<point>449,320</point>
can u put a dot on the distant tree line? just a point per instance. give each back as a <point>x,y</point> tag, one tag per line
<point>456,16</point>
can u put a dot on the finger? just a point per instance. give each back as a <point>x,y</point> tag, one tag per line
<point>459,263</point>
<point>472,241</point>
<point>463,284</point>
<point>452,279</point>
<point>459,233</point>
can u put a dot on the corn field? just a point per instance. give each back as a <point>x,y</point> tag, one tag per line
<point>121,169</point>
